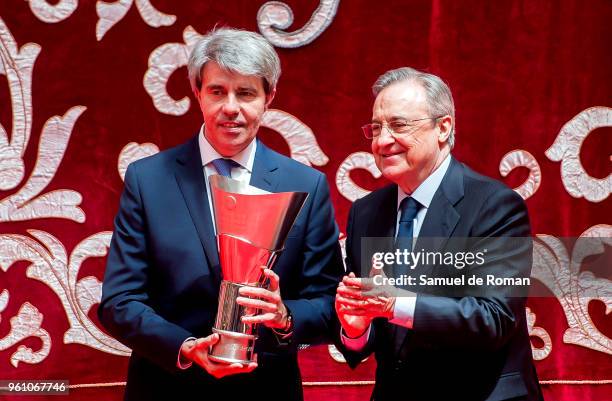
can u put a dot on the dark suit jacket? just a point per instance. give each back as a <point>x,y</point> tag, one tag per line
<point>460,347</point>
<point>162,276</point>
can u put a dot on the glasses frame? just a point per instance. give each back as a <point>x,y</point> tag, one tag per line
<point>367,127</point>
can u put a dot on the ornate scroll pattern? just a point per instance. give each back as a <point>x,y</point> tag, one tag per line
<point>52,14</point>
<point>132,152</point>
<point>4,298</point>
<point>566,149</point>
<point>544,351</point>
<point>302,141</point>
<point>275,16</point>
<point>51,266</point>
<point>27,323</point>
<point>574,289</point>
<point>111,13</point>
<point>522,158</point>
<point>17,65</point>
<point>342,241</point>
<point>163,61</point>
<point>346,186</point>
<point>335,354</point>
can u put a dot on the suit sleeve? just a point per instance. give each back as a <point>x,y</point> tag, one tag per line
<point>486,321</point>
<point>352,357</point>
<point>312,309</point>
<point>124,309</point>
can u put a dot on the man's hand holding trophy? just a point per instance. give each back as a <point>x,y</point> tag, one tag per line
<point>252,226</point>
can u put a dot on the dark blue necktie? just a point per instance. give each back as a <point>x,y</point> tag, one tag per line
<point>224,166</point>
<point>409,208</point>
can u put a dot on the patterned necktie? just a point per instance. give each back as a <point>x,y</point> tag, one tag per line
<point>409,208</point>
<point>224,166</point>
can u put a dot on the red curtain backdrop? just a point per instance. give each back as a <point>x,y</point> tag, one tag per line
<point>87,86</point>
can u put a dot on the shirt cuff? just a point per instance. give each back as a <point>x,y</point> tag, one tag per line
<point>403,312</point>
<point>180,364</point>
<point>355,344</point>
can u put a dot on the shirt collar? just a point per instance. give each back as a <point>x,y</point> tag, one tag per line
<point>426,191</point>
<point>246,158</point>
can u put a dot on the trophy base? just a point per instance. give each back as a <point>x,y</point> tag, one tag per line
<point>233,347</point>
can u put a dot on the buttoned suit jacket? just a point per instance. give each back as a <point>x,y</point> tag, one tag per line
<point>460,347</point>
<point>162,277</point>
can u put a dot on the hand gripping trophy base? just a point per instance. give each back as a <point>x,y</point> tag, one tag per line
<point>236,339</point>
<point>233,347</point>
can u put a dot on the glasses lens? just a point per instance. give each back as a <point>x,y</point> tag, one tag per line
<point>376,129</point>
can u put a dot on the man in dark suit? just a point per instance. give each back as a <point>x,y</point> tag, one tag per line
<point>434,342</point>
<point>162,278</point>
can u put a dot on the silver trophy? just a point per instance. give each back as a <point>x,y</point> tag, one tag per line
<point>252,226</point>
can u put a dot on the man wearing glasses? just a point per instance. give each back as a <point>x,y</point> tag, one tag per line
<point>430,345</point>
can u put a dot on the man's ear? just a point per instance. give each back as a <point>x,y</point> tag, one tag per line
<point>445,124</point>
<point>270,97</point>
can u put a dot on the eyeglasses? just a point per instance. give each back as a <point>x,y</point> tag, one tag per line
<point>395,127</point>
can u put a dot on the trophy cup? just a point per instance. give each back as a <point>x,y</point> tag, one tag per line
<point>252,226</point>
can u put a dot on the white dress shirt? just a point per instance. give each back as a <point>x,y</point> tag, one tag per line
<point>403,312</point>
<point>245,160</point>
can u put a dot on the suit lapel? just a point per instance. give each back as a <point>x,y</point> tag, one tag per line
<point>439,224</point>
<point>265,169</point>
<point>442,217</point>
<point>384,214</point>
<point>381,225</point>
<point>190,177</point>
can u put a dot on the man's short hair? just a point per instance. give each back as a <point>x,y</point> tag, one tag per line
<point>438,95</point>
<point>244,52</point>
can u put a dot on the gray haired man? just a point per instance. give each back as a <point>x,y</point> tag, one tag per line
<point>162,278</point>
<point>432,343</point>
